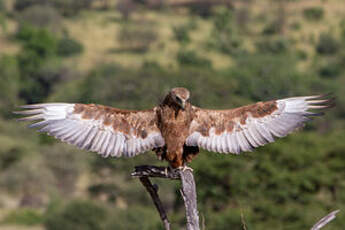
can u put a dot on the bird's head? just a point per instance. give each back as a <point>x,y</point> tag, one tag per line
<point>180,96</point>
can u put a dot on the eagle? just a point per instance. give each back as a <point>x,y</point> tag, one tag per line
<point>175,129</point>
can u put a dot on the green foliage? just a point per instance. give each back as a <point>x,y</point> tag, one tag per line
<point>327,44</point>
<point>66,7</point>
<point>262,75</point>
<point>37,42</point>
<point>67,47</point>
<point>136,37</point>
<point>330,69</point>
<point>39,49</point>
<point>313,13</point>
<point>272,28</point>
<point>2,6</point>
<point>190,58</point>
<point>20,5</point>
<point>274,46</point>
<point>76,215</point>
<point>43,16</point>
<point>26,217</point>
<point>181,34</point>
<point>10,86</point>
<point>272,180</point>
<point>225,37</point>
<point>136,217</point>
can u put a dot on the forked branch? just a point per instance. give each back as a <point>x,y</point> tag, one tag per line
<point>188,191</point>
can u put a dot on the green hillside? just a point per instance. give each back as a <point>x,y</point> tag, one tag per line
<point>128,54</point>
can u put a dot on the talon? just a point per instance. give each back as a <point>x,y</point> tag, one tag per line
<point>184,168</point>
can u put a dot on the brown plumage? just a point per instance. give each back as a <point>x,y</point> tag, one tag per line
<point>175,129</point>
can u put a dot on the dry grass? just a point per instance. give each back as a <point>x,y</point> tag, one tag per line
<point>97,31</point>
<point>7,46</point>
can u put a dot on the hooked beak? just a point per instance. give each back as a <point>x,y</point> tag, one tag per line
<point>183,104</point>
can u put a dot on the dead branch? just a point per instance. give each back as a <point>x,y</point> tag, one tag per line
<point>325,220</point>
<point>188,191</point>
<point>154,195</point>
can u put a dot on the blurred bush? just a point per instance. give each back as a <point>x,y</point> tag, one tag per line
<point>9,89</point>
<point>126,8</point>
<point>66,7</point>
<point>20,5</point>
<point>330,69</point>
<point>261,75</point>
<point>327,44</point>
<point>274,46</point>
<point>43,16</point>
<point>23,216</point>
<point>38,53</point>
<point>181,34</point>
<point>65,164</point>
<point>136,217</point>
<point>67,47</point>
<point>137,37</point>
<point>2,6</point>
<point>191,58</point>
<point>313,13</point>
<point>77,214</point>
<point>224,35</point>
<point>271,28</point>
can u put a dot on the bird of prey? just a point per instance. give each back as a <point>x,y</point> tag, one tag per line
<point>175,129</point>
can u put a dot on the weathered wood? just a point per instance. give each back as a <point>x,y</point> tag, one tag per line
<point>154,195</point>
<point>155,171</point>
<point>325,220</point>
<point>188,191</point>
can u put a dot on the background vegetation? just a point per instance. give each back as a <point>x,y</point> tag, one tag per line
<point>128,54</point>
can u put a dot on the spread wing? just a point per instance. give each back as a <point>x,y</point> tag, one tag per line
<point>106,130</point>
<point>247,127</point>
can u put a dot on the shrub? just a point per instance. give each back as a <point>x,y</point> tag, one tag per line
<point>138,37</point>
<point>272,46</point>
<point>10,84</point>
<point>134,218</point>
<point>66,7</point>
<point>126,8</point>
<point>330,70</point>
<point>272,28</point>
<point>327,44</point>
<point>20,5</point>
<point>38,55</point>
<point>313,13</point>
<point>76,215</point>
<point>43,16</point>
<point>224,36</point>
<point>190,58</point>
<point>2,6</point>
<point>70,7</point>
<point>23,217</point>
<point>67,47</point>
<point>65,165</point>
<point>181,34</point>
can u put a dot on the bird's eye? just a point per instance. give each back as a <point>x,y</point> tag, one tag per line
<point>178,100</point>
